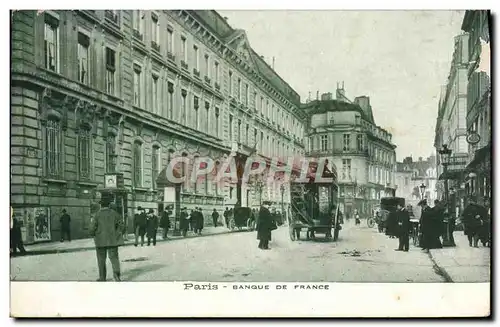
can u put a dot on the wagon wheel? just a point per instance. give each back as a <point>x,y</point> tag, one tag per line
<point>250,224</point>
<point>370,222</point>
<point>291,231</point>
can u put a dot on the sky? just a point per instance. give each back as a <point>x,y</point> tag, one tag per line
<point>400,59</point>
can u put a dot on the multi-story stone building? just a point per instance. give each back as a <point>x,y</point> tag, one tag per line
<point>451,121</point>
<point>100,91</point>
<point>411,175</point>
<point>478,121</point>
<point>345,132</point>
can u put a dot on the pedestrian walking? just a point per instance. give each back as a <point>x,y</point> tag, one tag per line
<point>474,217</point>
<point>356,217</point>
<point>265,225</point>
<point>140,224</point>
<point>192,221</point>
<point>431,227</point>
<point>65,226</point>
<point>165,222</point>
<point>16,237</point>
<point>107,230</point>
<point>152,227</point>
<point>184,222</point>
<point>226,217</point>
<point>215,217</point>
<point>404,226</point>
<point>200,221</point>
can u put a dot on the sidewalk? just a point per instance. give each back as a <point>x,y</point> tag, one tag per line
<point>88,243</point>
<point>463,263</point>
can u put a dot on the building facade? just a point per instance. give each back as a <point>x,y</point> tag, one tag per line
<point>411,175</point>
<point>478,181</point>
<point>101,91</point>
<point>451,122</point>
<point>345,132</point>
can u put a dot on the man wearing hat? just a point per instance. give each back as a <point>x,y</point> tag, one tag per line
<point>152,227</point>
<point>107,229</point>
<point>140,223</point>
<point>184,222</point>
<point>265,225</point>
<point>430,227</point>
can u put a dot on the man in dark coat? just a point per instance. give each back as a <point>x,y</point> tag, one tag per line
<point>404,226</point>
<point>474,217</point>
<point>184,222</point>
<point>165,222</point>
<point>152,227</point>
<point>226,217</point>
<point>16,237</point>
<point>215,217</point>
<point>391,224</point>
<point>140,224</point>
<point>265,225</point>
<point>192,221</point>
<point>65,226</point>
<point>107,230</point>
<point>430,226</point>
<point>200,221</point>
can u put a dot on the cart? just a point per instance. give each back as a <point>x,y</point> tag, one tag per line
<point>313,206</point>
<point>242,217</point>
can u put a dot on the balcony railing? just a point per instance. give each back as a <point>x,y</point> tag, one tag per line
<point>109,14</point>
<point>184,65</point>
<point>136,34</point>
<point>170,56</point>
<point>155,46</point>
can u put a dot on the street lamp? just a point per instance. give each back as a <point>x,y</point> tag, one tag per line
<point>445,154</point>
<point>422,191</point>
<point>282,189</point>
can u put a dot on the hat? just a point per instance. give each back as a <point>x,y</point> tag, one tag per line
<point>422,202</point>
<point>139,208</point>
<point>267,203</point>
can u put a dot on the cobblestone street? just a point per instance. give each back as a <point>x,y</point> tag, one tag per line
<point>361,255</point>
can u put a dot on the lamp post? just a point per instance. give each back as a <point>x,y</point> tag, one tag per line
<point>282,189</point>
<point>445,154</point>
<point>422,191</point>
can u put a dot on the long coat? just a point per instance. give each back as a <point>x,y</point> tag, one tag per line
<point>472,225</point>
<point>403,220</point>
<point>140,220</point>
<point>431,227</point>
<point>107,228</point>
<point>265,224</point>
<point>184,222</point>
<point>165,220</point>
<point>392,224</point>
<point>152,225</point>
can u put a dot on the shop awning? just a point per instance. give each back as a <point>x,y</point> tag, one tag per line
<point>479,156</point>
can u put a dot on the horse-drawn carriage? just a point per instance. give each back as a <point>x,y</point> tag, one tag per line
<point>242,217</point>
<point>313,205</point>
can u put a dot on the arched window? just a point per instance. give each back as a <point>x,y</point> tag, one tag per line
<point>85,152</point>
<point>137,164</point>
<point>155,164</point>
<point>53,148</point>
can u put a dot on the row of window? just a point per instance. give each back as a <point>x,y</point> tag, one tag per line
<point>380,175</point>
<point>237,87</point>
<point>324,145</point>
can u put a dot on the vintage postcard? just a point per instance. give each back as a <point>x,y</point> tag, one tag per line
<point>218,163</point>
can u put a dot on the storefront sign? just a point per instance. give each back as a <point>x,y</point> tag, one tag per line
<point>473,138</point>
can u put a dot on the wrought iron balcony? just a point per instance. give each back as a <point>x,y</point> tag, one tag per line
<point>170,56</point>
<point>155,46</point>
<point>111,15</point>
<point>136,34</point>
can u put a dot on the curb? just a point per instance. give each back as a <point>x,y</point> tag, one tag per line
<point>440,270</point>
<point>88,248</point>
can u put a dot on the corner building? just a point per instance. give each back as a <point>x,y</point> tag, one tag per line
<point>95,92</point>
<point>344,132</point>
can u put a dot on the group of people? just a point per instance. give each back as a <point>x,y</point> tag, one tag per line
<point>145,224</point>
<point>194,221</point>
<point>477,225</point>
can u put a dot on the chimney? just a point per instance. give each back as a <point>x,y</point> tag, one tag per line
<point>340,93</point>
<point>317,95</point>
<point>326,96</point>
<point>363,102</point>
<point>273,63</point>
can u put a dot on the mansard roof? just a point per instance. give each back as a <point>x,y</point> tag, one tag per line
<point>237,40</point>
